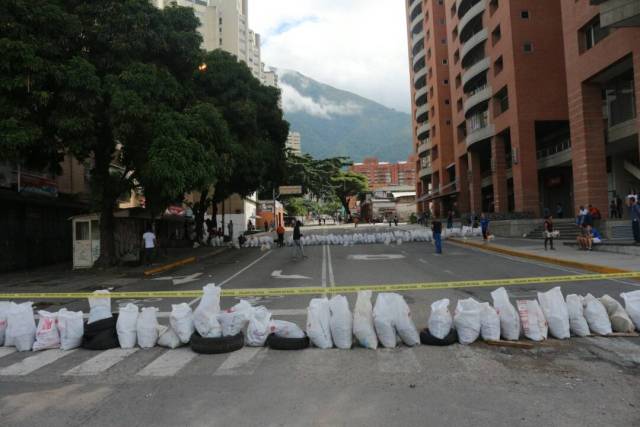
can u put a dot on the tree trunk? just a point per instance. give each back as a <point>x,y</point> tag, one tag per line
<point>200,209</point>
<point>345,205</point>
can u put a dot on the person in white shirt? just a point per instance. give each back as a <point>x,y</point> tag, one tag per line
<point>149,240</point>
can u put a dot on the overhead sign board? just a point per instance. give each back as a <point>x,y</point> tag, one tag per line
<point>290,190</point>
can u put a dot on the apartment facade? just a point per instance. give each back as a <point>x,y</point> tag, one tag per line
<point>294,143</point>
<point>602,48</point>
<point>386,174</point>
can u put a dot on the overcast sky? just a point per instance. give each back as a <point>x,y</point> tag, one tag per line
<point>355,45</point>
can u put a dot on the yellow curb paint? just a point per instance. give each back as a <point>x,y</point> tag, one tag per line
<point>170,266</point>
<point>314,290</point>
<point>572,264</point>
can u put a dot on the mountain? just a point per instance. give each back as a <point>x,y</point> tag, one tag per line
<point>334,122</point>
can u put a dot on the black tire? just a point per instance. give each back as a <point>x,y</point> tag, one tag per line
<point>427,339</point>
<point>275,342</point>
<point>216,345</point>
<point>101,335</point>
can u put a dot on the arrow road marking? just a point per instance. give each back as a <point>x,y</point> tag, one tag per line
<point>180,280</point>
<point>277,274</point>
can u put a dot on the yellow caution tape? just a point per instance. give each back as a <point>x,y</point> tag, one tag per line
<point>314,290</point>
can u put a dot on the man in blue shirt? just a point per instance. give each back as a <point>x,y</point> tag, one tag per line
<point>484,225</point>
<point>635,218</point>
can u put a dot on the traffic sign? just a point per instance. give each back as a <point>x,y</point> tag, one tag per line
<point>290,190</point>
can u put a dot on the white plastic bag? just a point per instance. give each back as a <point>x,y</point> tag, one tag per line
<point>147,327</point>
<point>47,335</point>
<point>631,304</point>
<point>384,319</point>
<point>596,315</point>
<point>126,326</point>
<point>71,328</point>
<point>556,312</point>
<point>235,319</point>
<point>284,329</point>
<point>168,338</point>
<point>21,327</point>
<point>319,323</point>
<point>4,312</point>
<point>509,318</point>
<point>467,319</point>
<point>577,322</point>
<point>99,307</point>
<point>181,321</point>
<point>363,328</point>
<point>403,323</point>
<point>620,320</point>
<point>489,323</point>
<point>533,321</point>
<point>440,319</point>
<point>205,317</point>
<point>341,322</point>
<point>258,329</point>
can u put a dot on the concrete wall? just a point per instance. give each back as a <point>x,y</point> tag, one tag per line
<point>514,228</point>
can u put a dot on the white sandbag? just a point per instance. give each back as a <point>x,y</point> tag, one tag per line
<point>99,307</point>
<point>126,326</point>
<point>383,320</point>
<point>577,322</point>
<point>555,312</point>
<point>71,328</point>
<point>258,328</point>
<point>168,338</point>
<point>47,335</point>
<point>181,321</point>
<point>147,327</point>
<point>489,323</point>
<point>532,319</point>
<point>319,323</point>
<point>596,315</point>
<point>234,320</point>
<point>4,312</point>
<point>620,320</point>
<point>21,327</point>
<point>631,304</point>
<point>467,319</point>
<point>341,322</point>
<point>509,317</point>
<point>205,317</point>
<point>284,329</point>
<point>363,328</point>
<point>440,319</point>
<point>403,323</point>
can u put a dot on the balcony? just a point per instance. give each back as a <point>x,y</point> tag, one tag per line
<point>417,20</point>
<point>419,75</point>
<point>423,131</point>
<point>477,68</point>
<point>480,134</point>
<point>555,155</point>
<point>418,57</point>
<point>422,113</point>
<point>476,10</point>
<point>424,147</point>
<point>479,95</point>
<point>415,39</point>
<point>421,96</point>
<point>479,37</point>
<point>413,5</point>
<point>425,171</point>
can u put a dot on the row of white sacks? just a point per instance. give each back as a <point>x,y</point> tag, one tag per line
<point>329,321</point>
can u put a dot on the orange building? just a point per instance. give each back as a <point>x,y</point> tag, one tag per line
<point>386,174</point>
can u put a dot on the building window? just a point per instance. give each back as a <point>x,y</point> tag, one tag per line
<point>456,56</point>
<point>493,6</point>
<point>458,81</point>
<point>524,14</point>
<point>440,2</point>
<point>527,47</point>
<point>448,122</point>
<point>620,99</point>
<point>591,34</point>
<point>462,132</point>
<point>498,66</point>
<point>446,102</point>
<point>220,21</point>
<point>442,21</point>
<point>443,41</point>
<point>496,35</point>
<point>453,9</point>
<point>454,34</point>
<point>445,62</point>
<point>501,101</point>
<point>459,105</point>
<point>446,81</point>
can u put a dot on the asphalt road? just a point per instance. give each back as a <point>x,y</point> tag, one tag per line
<point>590,381</point>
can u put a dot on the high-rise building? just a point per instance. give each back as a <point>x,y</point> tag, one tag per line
<point>386,174</point>
<point>504,146</point>
<point>294,143</point>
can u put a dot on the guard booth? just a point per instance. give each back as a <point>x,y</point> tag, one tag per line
<point>86,240</point>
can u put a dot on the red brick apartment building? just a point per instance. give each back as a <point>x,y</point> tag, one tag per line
<point>501,124</point>
<point>386,174</point>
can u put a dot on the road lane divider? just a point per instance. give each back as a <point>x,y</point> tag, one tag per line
<point>314,290</point>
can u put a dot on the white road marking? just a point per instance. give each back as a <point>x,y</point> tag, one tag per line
<point>424,261</point>
<point>5,351</point>
<point>277,274</point>
<point>238,362</point>
<point>33,363</point>
<point>191,303</point>
<point>332,280</point>
<point>187,279</point>
<point>101,362</point>
<point>170,363</point>
<point>449,272</point>
<point>398,361</point>
<point>375,257</point>
<point>324,266</point>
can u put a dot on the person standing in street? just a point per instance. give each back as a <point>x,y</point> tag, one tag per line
<point>298,251</point>
<point>436,229</point>
<point>635,218</point>
<point>450,220</point>
<point>619,206</point>
<point>395,220</point>
<point>230,228</point>
<point>280,232</point>
<point>150,241</point>
<point>484,225</point>
<point>548,232</point>
<point>613,210</point>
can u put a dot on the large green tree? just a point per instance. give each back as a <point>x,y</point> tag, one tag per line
<point>347,185</point>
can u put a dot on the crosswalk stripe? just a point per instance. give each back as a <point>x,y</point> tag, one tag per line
<point>5,351</point>
<point>239,362</point>
<point>33,363</point>
<point>398,361</point>
<point>169,363</point>
<point>101,362</point>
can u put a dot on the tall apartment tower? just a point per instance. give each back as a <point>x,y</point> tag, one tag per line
<point>506,146</point>
<point>602,48</point>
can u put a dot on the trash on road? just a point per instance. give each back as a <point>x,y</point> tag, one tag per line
<point>577,322</point>
<point>319,323</point>
<point>341,322</point>
<point>258,328</point>
<point>4,312</point>
<point>99,307</point>
<point>147,327</point>
<point>556,312</point>
<point>532,319</point>
<point>21,327</point>
<point>126,326</point>
<point>363,327</point>
<point>509,317</point>
<point>205,318</point>
<point>467,320</point>
<point>47,335</point>
<point>631,302</point>
<point>181,321</point>
<point>440,319</point>
<point>620,320</point>
<point>596,315</point>
<point>71,329</point>
<point>489,323</point>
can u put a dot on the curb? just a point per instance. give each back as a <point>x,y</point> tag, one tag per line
<point>179,263</point>
<point>573,264</point>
